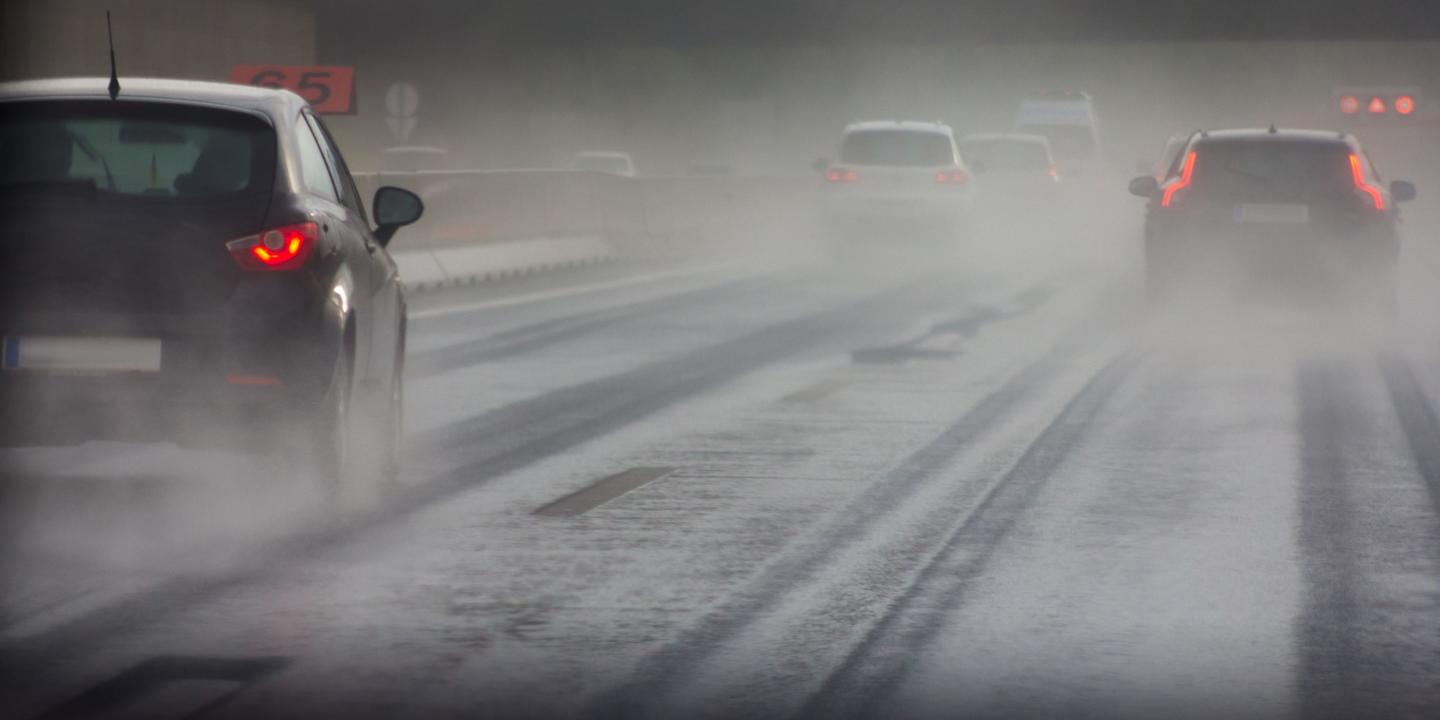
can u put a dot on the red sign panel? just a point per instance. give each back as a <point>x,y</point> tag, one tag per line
<point>328,89</point>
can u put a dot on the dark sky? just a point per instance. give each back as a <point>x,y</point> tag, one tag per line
<point>686,22</point>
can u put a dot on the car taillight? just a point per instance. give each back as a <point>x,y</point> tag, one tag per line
<point>1054,173</point>
<point>1186,173</point>
<point>281,248</point>
<point>836,175</point>
<point>1358,173</point>
<point>954,177</point>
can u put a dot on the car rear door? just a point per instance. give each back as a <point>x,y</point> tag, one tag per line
<point>385,302</point>
<point>338,219</point>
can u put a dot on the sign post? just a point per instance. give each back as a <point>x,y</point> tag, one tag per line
<point>402,110</point>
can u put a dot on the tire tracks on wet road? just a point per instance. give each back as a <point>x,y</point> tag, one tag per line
<point>1369,637</point>
<point>683,661</point>
<point>485,447</point>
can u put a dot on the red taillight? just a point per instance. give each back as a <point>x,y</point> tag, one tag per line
<point>953,177</point>
<point>836,175</point>
<point>1054,173</point>
<point>1358,173</point>
<point>1186,173</point>
<point>282,248</point>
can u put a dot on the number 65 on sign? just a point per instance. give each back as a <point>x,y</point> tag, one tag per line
<point>328,89</point>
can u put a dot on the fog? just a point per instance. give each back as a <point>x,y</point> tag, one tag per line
<point>823,451</point>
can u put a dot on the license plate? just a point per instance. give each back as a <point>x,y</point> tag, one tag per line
<point>1272,214</point>
<point>82,354</point>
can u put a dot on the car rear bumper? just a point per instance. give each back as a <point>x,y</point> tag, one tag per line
<point>853,210</point>
<point>64,410</point>
<point>1314,258</point>
<point>212,386</point>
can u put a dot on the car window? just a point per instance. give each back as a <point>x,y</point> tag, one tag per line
<point>1068,142</point>
<point>1272,171</point>
<point>154,150</point>
<point>897,147</point>
<point>340,171</point>
<point>312,163</point>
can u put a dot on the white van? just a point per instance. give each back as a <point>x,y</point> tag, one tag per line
<point>1067,119</point>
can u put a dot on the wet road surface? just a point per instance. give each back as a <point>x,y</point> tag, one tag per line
<point>928,488</point>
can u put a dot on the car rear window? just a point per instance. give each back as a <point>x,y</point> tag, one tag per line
<point>1283,171</point>
<point>896,147</point>
<point>1002,155</point>
<point>135,149</point>
<point>1068,142</point>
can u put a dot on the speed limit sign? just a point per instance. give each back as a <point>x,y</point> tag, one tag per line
<point>328,88</point>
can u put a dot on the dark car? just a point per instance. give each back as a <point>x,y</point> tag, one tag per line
<point>191,262</point>
<point>1304,209</point>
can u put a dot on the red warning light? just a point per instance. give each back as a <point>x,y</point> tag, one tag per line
<point>1405,105</point>
<point>1349,104</point>
<point>1377,106</point>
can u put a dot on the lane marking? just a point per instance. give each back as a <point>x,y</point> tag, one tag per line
<point>569,292</point>
<point>77,606</point>
<point>603,491</point>
<point>170,686</point>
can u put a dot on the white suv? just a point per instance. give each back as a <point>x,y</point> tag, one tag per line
<point>890,173</point>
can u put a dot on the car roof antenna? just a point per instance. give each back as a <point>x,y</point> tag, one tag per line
<point>114,76</point>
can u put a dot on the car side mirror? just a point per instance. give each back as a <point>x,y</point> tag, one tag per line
<point>1402,191</point>
<point>820,165</point>
<point>394,208</point>
<point>1145,186</point>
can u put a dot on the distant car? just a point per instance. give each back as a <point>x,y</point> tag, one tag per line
<point>1022,162</point>
<point>1294,207</point>
<point>610,163</point>
<point>192,263</point>
<point>895,173</point>
<point>1067,119</point>
<point>1162,164</point>
<point>413,159</point>
<point>1017,183</point>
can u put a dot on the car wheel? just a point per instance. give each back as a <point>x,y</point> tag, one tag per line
<point>1159,277</point>
<point>331,440</point>
<point>392,432</point>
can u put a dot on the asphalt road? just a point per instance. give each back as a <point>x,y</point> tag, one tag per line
<point>908,484</point>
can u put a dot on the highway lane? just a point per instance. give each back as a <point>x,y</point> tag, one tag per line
<point>787,489</point>
<point>147,514</point>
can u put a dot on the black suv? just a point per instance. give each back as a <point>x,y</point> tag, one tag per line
<point>191,262</point>
<point>1282,207</point>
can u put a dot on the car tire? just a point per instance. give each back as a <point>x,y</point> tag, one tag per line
<point>392,432</point>
<point>1160,276</point>
<point>330,448</point>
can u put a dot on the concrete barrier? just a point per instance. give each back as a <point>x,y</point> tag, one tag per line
<point>447,267</point>
<point>481,224</point>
